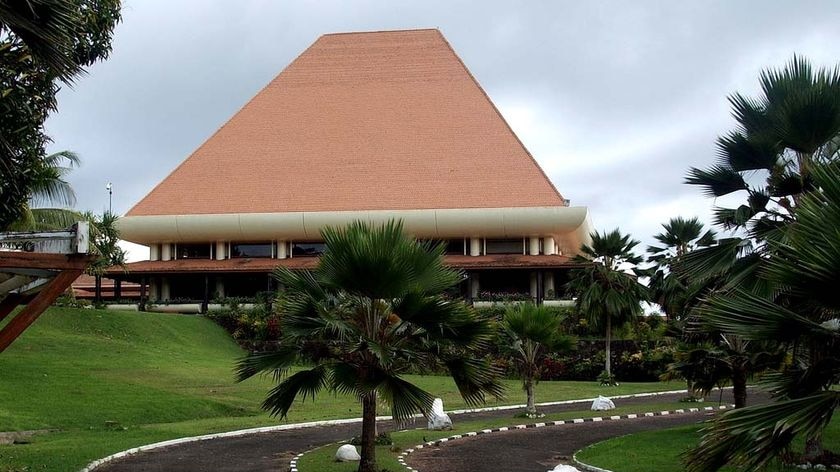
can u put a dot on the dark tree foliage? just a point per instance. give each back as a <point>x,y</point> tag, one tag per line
<point>43,43</point>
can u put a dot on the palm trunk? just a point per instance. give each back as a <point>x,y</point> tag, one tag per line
<point>368,453</point>
<point>607,360</point>
<point>814,449</point>
<point>531,408</point>
<point>739,386</point>
<point>97,290</point>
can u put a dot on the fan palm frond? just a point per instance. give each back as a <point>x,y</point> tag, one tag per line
<point>750,437</point>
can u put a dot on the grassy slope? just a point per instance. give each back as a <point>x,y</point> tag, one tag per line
<point>159,377</point>
<point>658,451</point>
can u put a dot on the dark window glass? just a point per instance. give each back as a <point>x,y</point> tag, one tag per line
<point>505,281</point>
<point>453,247</point>
<point>186,287</point>
<point>250,250</point>
<point>307,249</point>
<point>246,285</point>
<point>194,251</point>
<point>504,246</point>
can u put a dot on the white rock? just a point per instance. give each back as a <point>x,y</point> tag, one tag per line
<point>347,453</point>
<point>564,468</point>
<point>602,403</point>
<point>438,419</point>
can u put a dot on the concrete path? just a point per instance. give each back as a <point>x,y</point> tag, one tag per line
<point>272,451</point>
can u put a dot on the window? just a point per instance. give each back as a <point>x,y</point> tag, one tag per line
<point>250,250</point>
<point>308,249</point>
<point>193,251</point>
<point>453,247</point>
<point>186,287</point>
<point>246,286</point>
<point>504,246</point>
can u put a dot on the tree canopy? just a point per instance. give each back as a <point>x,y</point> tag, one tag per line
<point>43,43</point>
<point>370,313</point>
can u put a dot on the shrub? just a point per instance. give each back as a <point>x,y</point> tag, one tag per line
<point>631,361</point>
<point>248,326</point>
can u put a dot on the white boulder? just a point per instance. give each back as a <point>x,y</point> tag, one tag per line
<point>438,419</point>
<point>347,453</point>
<point>602,403</point>
<point>564,468</point>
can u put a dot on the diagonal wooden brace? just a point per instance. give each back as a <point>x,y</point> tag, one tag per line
<point>34,308</point>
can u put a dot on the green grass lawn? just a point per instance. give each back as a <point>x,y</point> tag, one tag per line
<point>159,377</point>
<point>321,459</point>
<point>659,451</point>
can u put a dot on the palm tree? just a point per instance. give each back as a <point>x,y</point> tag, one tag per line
<point>51,195</point>
<point>790,136</point>
<point>533,333</point>
<point>781,135</point>
<point>105,239</point>
<point>671,291</point>
<point>370,313</point>
<point>47,28</point>
<point>804,318</point>
<point>607,285</point>
<point>712,360</point>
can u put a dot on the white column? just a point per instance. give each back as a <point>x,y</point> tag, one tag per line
<point>165,251</point>
<point>474,286</point>
<point>220,250</point>
<point>475,246</point>
<point>220,287</point>
<point>164,288</point>
<point>534,246</point>
<point>534,285</point>
<point>154,252</point>
<point>548,246</point>
<point>281,249</point>
<point>548,284</point>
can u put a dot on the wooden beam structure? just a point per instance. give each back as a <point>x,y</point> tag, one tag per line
<point>35,269</point>
<point>36,307</point>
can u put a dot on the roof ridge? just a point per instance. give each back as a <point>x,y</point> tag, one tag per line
<point>408,30</point>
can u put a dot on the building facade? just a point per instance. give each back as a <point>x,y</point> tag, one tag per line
<point>361,126</point>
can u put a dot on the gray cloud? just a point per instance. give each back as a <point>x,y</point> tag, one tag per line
<point>614,99</point>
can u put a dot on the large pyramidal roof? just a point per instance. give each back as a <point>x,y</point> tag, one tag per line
<point>360,121</point>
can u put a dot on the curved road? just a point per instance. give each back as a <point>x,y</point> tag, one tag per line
<point>272,451</point>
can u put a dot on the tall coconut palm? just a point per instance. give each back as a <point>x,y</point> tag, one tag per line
<point>105,238</point>
<point>805,267</point>
<point>607,285</point>
<point>533,332</point>
<point>370,313</point>
<point>48,207</point>
<point>46,27</point>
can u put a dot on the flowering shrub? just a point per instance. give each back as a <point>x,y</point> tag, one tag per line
<point>631,362</point>
<point>248,326</point>
<point>504,296</point>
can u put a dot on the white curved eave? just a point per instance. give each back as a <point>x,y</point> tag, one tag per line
<point>570,226</point>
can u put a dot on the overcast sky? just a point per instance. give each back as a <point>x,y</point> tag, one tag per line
<point>616,100</point>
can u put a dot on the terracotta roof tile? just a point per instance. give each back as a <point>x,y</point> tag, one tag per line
<point>360,121</point>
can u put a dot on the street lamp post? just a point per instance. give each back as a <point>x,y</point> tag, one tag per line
<point>110,190</point>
